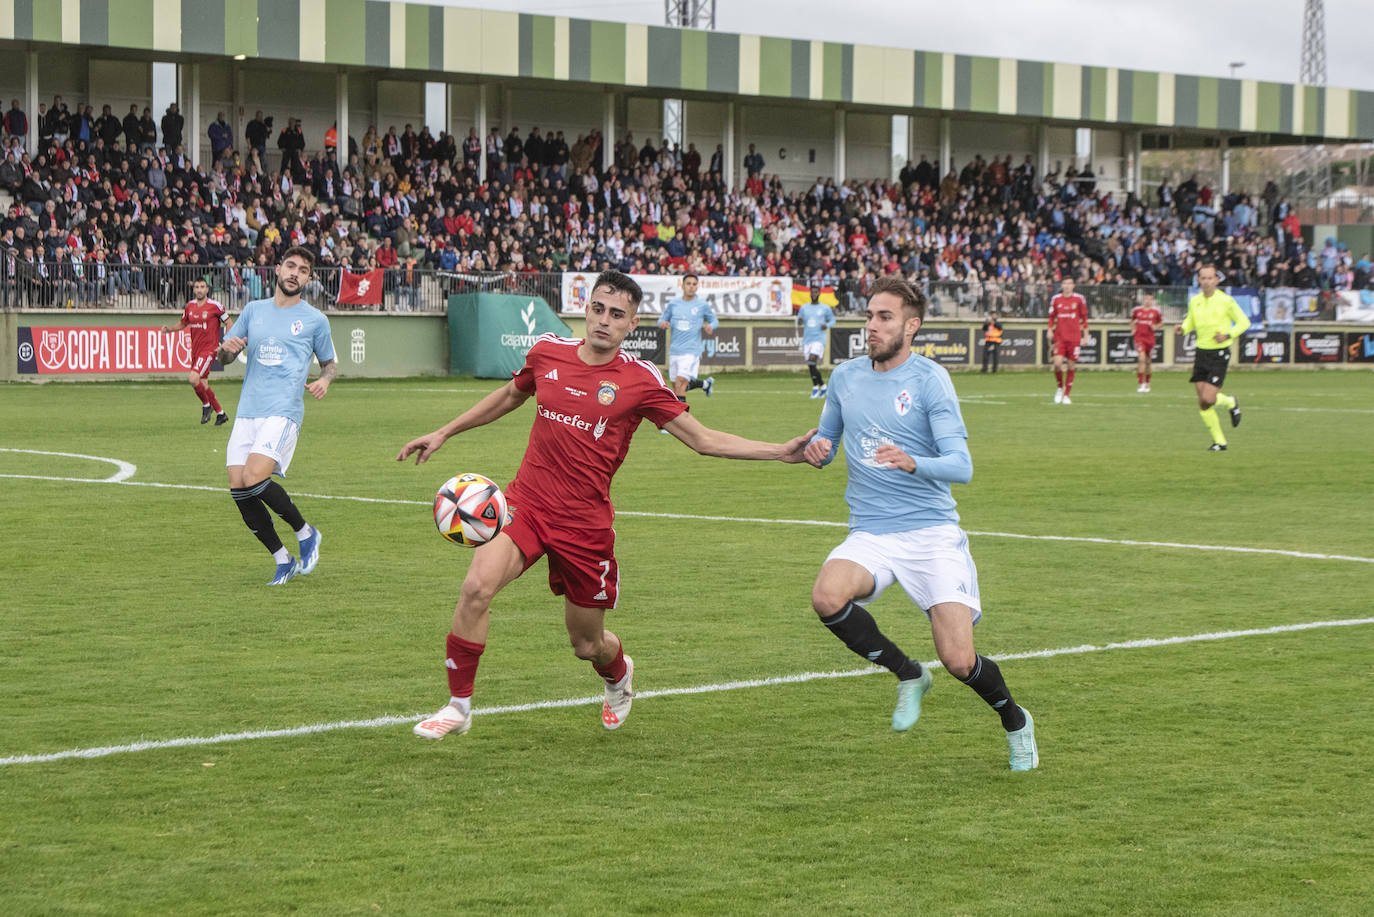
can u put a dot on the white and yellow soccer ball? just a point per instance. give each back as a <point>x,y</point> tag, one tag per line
<point>470,509</point>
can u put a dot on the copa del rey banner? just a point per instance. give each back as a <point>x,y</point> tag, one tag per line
<point>360,289</point>
<point>750,297</point>
<point>143,349</point>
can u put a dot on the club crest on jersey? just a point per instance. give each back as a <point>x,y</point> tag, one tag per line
<point>902,402</point>
<point>297,326</point>
<point>605,393</point>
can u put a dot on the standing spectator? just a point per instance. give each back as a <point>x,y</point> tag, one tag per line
<point>173,124</point>
<point>496,149</point>
<point>132,132</point>
<point>753,162</point>
<point>331,141</point>
<point>108,128</point>
<point>257,132</point>
<point>221,137</point>
<point>472,148</point>
<point>514,146</point>
<point>58,121</point>
<point>717,166</point>
<point>16,125</point>
<point>291,142</point>
<point>44,130</point>
<point>148,130</point>
<point>534,150</point>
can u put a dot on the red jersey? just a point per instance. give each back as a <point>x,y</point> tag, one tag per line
<point>1143,321</point>
<point>1068,315</point>
<point>203,321</point>
<point>584,419</point>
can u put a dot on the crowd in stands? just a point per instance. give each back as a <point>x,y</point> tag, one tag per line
<point>108,205</point>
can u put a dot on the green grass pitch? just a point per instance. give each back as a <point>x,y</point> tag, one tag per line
<point>1202,777</point>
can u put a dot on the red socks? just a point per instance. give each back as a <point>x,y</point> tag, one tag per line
<point>210,396</point>
<point>462,660</point>
<point>1059,377</point>
<point>1147,378</point>
<point>200,393</point>
<point>615,669</point>
<point>1068,383</point>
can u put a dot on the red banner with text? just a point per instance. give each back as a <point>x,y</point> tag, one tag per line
<point>140,349</point>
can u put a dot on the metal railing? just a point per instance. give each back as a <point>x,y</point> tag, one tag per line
<point>148,287</point>
<point>151,287</point>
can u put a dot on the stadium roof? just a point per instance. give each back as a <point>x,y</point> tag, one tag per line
<point>488,43</point>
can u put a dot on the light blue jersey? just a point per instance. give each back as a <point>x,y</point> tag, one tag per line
<point>685,317</point>
<point>912,406</point>
<point>814,318</point>
<point>280,345</point>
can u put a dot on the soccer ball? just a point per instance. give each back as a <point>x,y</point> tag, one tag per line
<point>470,509</point>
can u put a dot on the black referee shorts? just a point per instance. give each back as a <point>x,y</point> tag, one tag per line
<point>1210,365</point>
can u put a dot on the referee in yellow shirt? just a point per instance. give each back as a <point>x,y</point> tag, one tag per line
<point>1218,320</point>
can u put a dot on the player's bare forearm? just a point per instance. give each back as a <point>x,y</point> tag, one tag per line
<point>706,441</point>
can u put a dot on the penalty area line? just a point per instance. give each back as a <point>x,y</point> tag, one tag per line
<point>799,678</point>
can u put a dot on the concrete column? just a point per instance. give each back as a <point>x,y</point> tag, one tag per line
<point>480,116</point>
<point>1042,139</point>
<point>31,101</point>
<point>946,146</point>
<point>608,107</point>
<point>1225,170</point>
<point>841,145</point>
<point>191,136</point>
<point>341,116</point>
<point>238,118</point>
<point>1137,172</point>
<point>729,150</point>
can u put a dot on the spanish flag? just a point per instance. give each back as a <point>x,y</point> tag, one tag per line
<point>801,295</point>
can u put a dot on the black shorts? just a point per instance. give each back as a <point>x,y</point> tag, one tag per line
<point>1210,365</point>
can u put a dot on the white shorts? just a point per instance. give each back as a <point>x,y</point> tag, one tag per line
<point>274,437</point>
<point>683,366</point>
<point>932,564</point>
<point>816,349</point>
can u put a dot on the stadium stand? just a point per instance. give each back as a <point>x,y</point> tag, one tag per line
<point>113,212</point>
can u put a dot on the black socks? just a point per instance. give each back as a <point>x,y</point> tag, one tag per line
<point>277,500</point>
<point>856,627</point>
<point>815,374</point>
<point>986,679</point>
<point>255,515</point>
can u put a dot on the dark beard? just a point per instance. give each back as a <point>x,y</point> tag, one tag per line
<point>883,356</point>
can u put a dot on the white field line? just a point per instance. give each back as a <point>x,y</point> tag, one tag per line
<point>383,721</point>
<point>752,520</point>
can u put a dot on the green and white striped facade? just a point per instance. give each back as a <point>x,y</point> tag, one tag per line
<point>490,44</point>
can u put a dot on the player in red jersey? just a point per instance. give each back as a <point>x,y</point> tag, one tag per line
<point>1068,325</point>
<point>590,396</point>
<point>1145,321</point>
<point>206,319</point>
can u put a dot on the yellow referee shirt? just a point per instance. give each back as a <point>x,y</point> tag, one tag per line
<point>1213,315</point>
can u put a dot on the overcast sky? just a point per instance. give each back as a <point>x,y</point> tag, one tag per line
<point>1179,36</point>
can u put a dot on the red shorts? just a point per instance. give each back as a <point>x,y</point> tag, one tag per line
<point>201,364</point>
<point>1067,350</point>
<point>1145,343</point>
<point>581,563</point>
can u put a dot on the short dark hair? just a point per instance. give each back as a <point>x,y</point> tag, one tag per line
<point>301,251</point>
<point>620,283</point>
<point>913,300</point>
<point>691,276</point>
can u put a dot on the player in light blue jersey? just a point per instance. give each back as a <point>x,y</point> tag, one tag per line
<point>689,318</point>
<point>815,317</point>
<point>278,337</point>
<point>904,443</point>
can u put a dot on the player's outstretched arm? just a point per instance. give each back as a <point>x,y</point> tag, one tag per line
<point>702,439</point>
<point>498,404</point>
